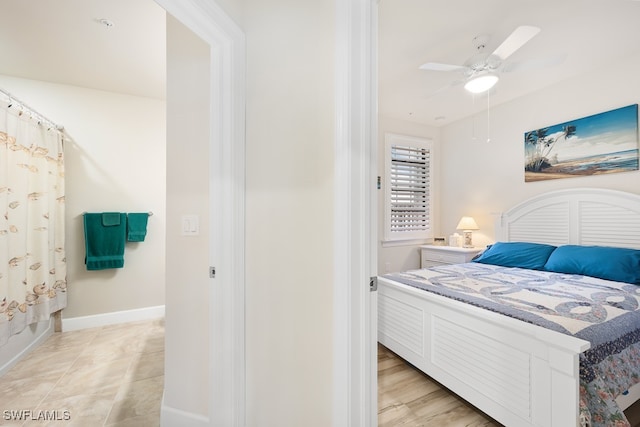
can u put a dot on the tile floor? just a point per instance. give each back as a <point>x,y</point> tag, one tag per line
<point>108,376</point>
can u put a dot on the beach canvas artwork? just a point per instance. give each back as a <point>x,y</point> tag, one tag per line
<point>599,144</point>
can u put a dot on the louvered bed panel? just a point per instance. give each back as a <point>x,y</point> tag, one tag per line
<point>604,223</point>
<point>403,322</point>
<point>545,224</point>
<point>583,216</point>
<point>465,355</point>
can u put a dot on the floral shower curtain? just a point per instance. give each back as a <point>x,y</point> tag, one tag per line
<point>32,246</point>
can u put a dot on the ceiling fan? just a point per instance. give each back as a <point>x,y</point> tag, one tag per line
<point>481,70</point>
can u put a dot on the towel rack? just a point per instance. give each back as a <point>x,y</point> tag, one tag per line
<point>148,213</point>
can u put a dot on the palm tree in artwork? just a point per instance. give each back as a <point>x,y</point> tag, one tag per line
<point>540,144</point>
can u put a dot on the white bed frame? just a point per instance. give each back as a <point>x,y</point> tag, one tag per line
<point>518,373</point>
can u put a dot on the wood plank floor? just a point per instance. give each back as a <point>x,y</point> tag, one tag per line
<point>407,397</point>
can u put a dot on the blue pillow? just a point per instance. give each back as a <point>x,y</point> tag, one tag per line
<point>516,254</point>
<point>617,264</point>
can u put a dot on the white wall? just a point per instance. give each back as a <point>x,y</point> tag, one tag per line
<point>187,314</point>
<point>393,258</point>
<point>289,211</point>
<point>480,178</point>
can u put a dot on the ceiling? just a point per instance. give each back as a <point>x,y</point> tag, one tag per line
<point>588,34</point>
<point>62,41</point>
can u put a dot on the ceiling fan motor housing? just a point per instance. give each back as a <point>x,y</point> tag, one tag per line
<point>481,62</point>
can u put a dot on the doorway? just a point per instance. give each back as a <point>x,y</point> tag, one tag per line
<point>222,270</point>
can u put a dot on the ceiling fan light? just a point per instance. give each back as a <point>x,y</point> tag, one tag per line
<point>481,83</point>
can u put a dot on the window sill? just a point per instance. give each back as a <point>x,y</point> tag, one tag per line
<point>410,242</point>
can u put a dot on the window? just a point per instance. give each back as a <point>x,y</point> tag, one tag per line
<point>408,188</point>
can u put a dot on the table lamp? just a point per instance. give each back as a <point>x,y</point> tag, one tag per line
<point>467,224</point>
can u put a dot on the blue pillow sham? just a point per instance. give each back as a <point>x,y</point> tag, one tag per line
<point>516,254</point>
<point>617,264</point>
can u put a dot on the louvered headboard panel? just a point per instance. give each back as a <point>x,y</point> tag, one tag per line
<point>582,216</point>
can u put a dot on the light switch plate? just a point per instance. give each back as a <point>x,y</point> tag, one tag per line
<point>190,225</point>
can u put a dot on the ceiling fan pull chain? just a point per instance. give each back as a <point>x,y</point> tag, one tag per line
<point>488,118</point>
<point>473,120</point>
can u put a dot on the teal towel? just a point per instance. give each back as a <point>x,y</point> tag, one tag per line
<point>110,218</point>
<point>104,236</point>
<point>137,226</point>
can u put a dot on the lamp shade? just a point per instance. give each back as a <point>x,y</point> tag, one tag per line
<point>481,83</point>
<point>467,223</point>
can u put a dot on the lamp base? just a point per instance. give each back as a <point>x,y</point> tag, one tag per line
<point>468,243</point>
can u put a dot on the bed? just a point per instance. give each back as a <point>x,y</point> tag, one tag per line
<point>522,361</point>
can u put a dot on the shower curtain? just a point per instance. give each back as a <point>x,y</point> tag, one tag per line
<point>32,250</point>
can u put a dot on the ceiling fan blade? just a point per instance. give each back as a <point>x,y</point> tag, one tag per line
<point>515,41</point>
<point>535,64</point>
<point>443,88</point>
<point>435,66</point>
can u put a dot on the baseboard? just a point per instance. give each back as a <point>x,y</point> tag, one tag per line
<point>104,319</point>
<point>172,417</point>
<point>21,344</point>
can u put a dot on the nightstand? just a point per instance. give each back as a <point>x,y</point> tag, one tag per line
<point>431,255</point>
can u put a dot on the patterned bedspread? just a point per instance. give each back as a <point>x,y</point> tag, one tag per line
<point>605,313</point>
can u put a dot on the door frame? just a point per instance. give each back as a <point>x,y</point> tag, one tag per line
<point>226,298</point>
<point>355,387</point>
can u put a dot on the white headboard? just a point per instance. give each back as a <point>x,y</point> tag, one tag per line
<point>580,216</point>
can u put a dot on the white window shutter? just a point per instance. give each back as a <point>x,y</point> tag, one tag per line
<point>408,188</point>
